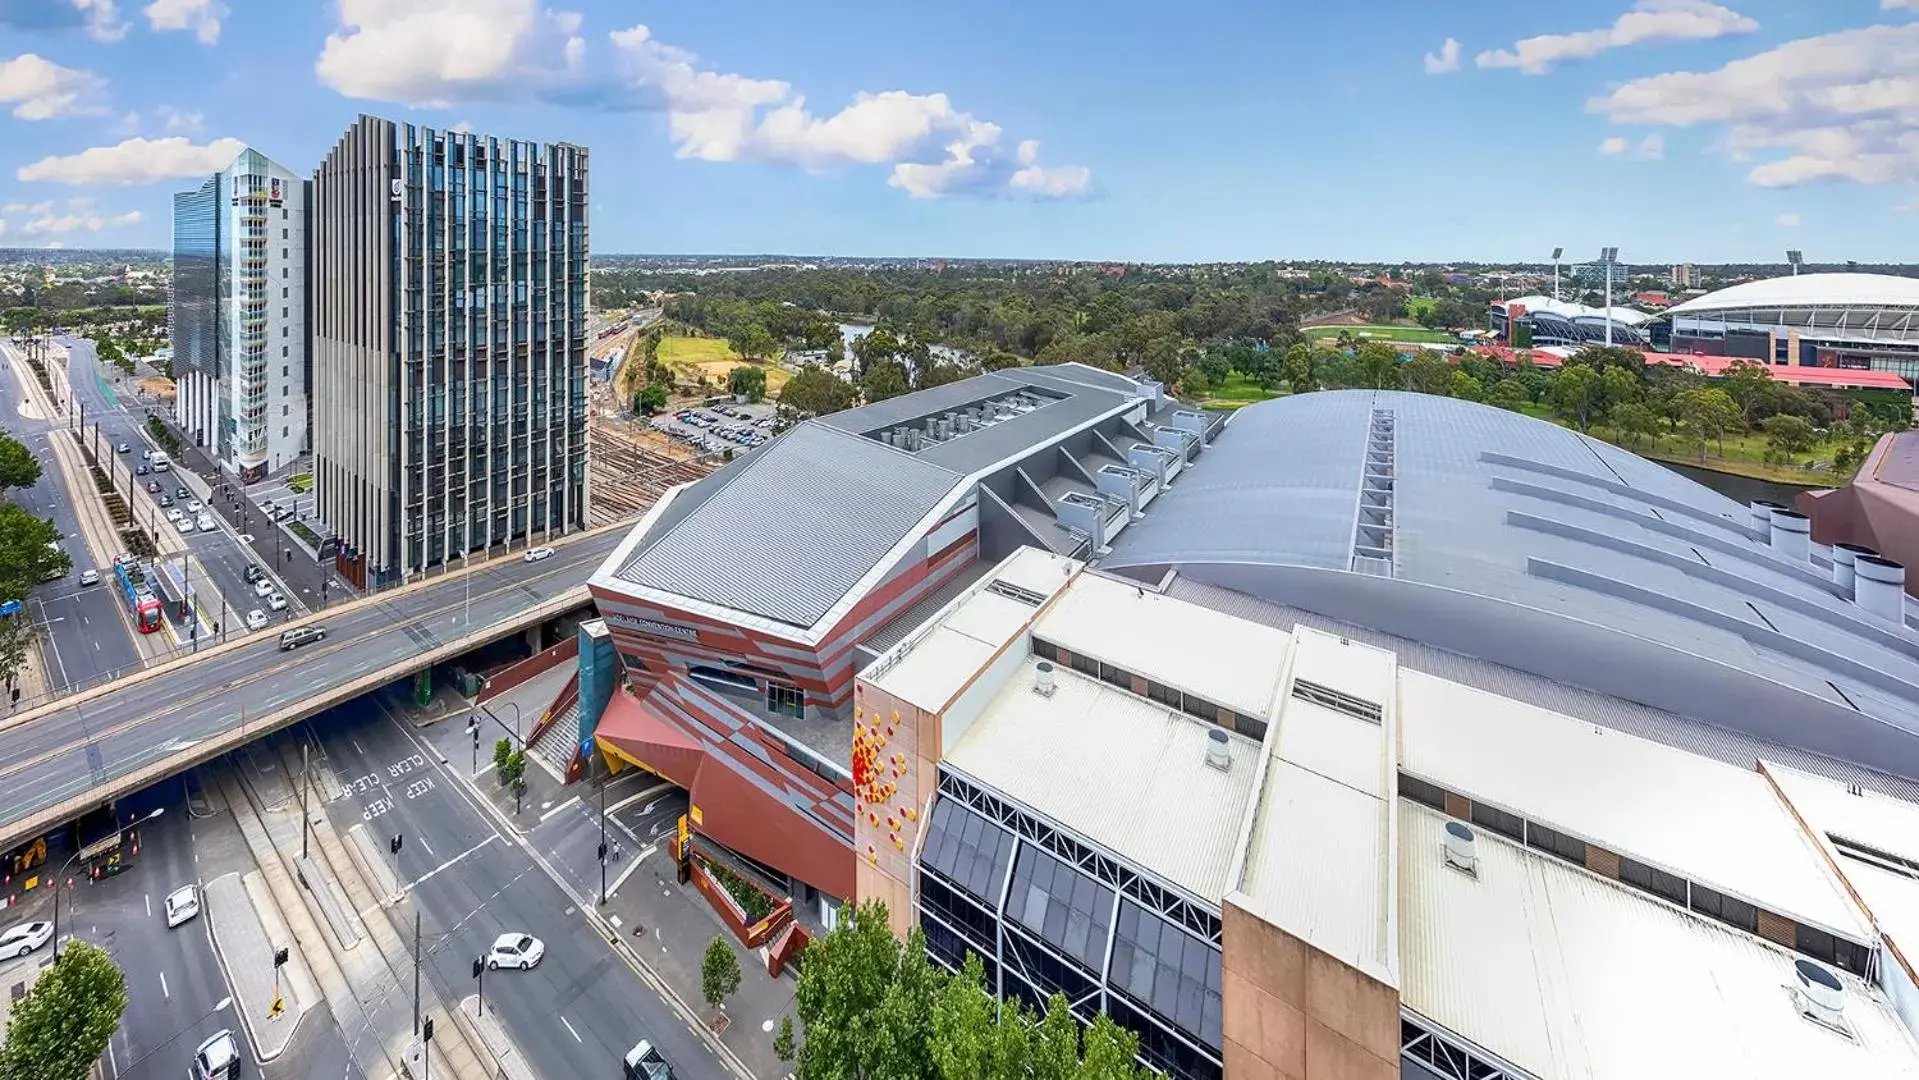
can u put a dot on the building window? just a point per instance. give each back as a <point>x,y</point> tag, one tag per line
<point>1160,692</point>
<point>283,213</point>
<point>283,352</point>
<point>1725,908</point>
<point>1499,821</point>
<point>283,271</point>
<point>1657,882</point>
<point>786,701</point>
<point>1419,791</point>
<point>283,292</point>
<point>283,312</point>
<point>1557,843</point>
<point>283,253</point>
<point>1045,650</point>
<point>1250,726</point>
<point>283,232</point>
<point>1117,676</point>
<point>1085,665</point>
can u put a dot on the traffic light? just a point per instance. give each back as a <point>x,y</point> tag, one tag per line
<point>479,966</point>
<point>426,1029</point>
<point>280,956</point>
<point>394,844</point>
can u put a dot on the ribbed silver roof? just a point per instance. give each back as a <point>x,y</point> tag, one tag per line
<point>1520,541</point>
<point>791,530</point>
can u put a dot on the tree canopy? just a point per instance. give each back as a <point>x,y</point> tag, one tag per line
<point>873,1008</point>
<point>60,1029</point>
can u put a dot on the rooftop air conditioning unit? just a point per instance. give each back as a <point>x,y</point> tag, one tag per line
<point>1462,852</point>
<point>1043,678</point>
<point>1219,750</point>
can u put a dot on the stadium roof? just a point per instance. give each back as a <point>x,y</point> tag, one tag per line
<point>1809,291</point>
<point>1566,308</point>
<point>1520,542</point>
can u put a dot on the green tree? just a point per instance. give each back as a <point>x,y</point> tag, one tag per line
<point>26,559</point>
<point>845,978</point>
<point>18,467</point>
<point>650,399</point>
<point>783,1047</point>
<point>752,341</point>
<point>1509,394</point>
<point>884,379</point>
<point>815,391</point>
<point>1635,421</point>
<point>1751,387</point>
<point>60,1029</point>
<point>1428,373</point>
<point>1378,365</point>
<point>747,379</point>
<point>1297,368</point>
<point>502,753</point>
<point>1602,357</point>
<point>719,972</point>
<point>1707,413</point>
<point>1577,393</point>
<point>1466,388</point>
<point>1787,435</point>
<point>1618,387</point>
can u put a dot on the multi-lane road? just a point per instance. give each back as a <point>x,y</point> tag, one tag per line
<point>582,1007</point>
<point>95,745</point>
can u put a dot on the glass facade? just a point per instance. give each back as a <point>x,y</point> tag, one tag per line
<point>1046,913</point>
<point>194,325</point>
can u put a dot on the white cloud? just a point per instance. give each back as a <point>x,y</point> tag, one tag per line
<point>934,148</point>
<point>39,89</point>
<point>1890,5</point>
<point>51,225</point>
<point>1649,21</point>
<point>1650,148</point>
<point>1787,221</point>
<point>135,161</point>
<point>1841,106</point>
<point>177,120</point>
<point>200,16</point>
<point>439,52</point>
<point>1447,59</point>
<point>103,19</point>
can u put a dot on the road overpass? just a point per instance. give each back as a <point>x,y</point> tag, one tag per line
<point>61,759</point>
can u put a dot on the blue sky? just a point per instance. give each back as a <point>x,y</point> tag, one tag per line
<point>1210,129</point>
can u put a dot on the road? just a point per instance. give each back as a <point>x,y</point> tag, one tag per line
<point>59,752</point>
<point>582,1007</point>
<point>220,551</point>
<point>87,632</point>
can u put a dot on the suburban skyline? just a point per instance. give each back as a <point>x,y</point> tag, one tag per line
<point>1679,130</point>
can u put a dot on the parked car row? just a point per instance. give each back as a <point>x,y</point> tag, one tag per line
<point>716,429</point>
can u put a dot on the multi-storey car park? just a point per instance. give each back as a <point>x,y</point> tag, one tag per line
<point>1176,715</point>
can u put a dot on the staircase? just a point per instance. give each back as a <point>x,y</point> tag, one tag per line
<point>555,747</point>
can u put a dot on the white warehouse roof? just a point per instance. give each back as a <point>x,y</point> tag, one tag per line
<point>1810,291</point>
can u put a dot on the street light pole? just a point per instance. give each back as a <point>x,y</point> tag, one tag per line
<point>602,841</point>
<point>306,822</point>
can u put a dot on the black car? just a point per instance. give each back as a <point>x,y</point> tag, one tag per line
<point>140,470</point>
<point>253,573</point>
<point>183,493</point>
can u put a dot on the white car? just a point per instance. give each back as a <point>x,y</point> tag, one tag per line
<point>186,524</point>
<point>174,515</point>
<point>182,904</point>
<point>537,554</point>
<point>263,587</point>
<point>216,1059</point>
<point>89,577</point>
<point>26,937</point>
<point>256,619</point>
<point>515,951</point>
<point>206,522</point>
<point>194,506</point>
<point>277,602</point>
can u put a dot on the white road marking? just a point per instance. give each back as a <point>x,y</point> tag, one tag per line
<point>421,880</point>
<point>150,912</point>
<point>428,847</point>
<point>568,804</point>
<point>631,799</point>
<point>356,744</point>
<point>570,1031</point>
<point>163,986</point>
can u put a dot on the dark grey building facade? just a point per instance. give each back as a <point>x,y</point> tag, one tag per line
<point>449,345</point>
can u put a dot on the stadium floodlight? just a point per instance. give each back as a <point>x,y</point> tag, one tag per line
<point>1795,257</point>
<point>1608,257</point>
<point>1557,252</point>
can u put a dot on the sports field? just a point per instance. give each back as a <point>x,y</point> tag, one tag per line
<point>1381,333</point>
<point>711,358</point>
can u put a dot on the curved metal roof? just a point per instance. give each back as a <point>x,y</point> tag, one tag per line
<point>1809,291</point>
<point>1567,309</point>
<point>1521,542</point>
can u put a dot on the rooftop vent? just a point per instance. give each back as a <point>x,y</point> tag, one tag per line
<point>1843,556</point>
<point>1338,701</point>
<point>1219,750</point>
<point>1043,678</point>
<point>1879,586</point>
<point>1462,853</point>
<point>1821,996</point>
<point>1792,535</point>
<point>1015,592</point>
<point>1760,512</point>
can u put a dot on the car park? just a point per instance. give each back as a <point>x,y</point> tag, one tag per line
<point>24,938</point>
<point>301,635</point>
<point>256,619</point>
<point>515,951</point>
<point>538,554</point>
<point>182,904</point>
<point>90,577</point>
<point>276,601</point>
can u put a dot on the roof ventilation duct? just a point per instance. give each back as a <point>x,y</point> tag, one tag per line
<point>1043,678</point>
<point>1219,750</point>
<point>1822,997</point>
<point>1792,535</point>
<point>1083,514</point>
<point>1879,586</point>
<point>1842,560</point>
<point>1462,852</point>
<point>1761,512</point>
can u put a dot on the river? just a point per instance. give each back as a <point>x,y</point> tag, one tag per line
<point>1742,489</point>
